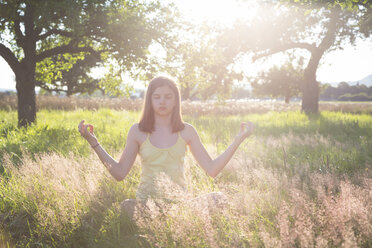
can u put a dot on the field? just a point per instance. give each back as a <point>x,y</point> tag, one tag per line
<point>299,181</point>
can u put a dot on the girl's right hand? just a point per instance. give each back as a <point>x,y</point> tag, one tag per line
<point>88,135</point>
<point>246,129</point>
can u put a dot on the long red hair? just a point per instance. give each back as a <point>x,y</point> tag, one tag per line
<point>146,123</point>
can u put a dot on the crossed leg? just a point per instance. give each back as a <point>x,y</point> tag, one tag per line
<point>128,206</point>
<point>210,201</point>
<point>213,199</point>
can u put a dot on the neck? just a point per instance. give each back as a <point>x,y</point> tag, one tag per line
<point>162,122</point>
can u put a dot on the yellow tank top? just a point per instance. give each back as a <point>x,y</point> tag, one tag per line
<point>163,175</point>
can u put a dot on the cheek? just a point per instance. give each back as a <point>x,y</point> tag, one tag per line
<point>172,102</point>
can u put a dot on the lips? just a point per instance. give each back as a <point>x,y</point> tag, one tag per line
<point>162,108</point>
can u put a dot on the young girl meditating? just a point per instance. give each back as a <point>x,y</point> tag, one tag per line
<point>160,138</point>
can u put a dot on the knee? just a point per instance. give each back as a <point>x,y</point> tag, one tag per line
<point>128,206</point>
<point>218,198</point>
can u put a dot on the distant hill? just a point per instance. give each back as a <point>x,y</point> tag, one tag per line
<point>367,81</point>
<point>6,90</point>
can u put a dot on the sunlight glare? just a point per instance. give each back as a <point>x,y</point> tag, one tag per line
<point>222,12</point>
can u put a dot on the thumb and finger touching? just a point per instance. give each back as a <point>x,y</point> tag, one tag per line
<point>247,127</point>
<point>90,128</point>
<point>83,129</point>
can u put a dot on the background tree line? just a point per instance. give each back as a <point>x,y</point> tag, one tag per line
<point>346,92</point>
<point>55,45</point>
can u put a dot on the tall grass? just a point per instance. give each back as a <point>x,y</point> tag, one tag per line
<point>193,108</point>
<point>56,131</point>
<point>299,181</point>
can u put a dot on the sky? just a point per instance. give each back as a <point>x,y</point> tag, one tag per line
<point>350,64</point>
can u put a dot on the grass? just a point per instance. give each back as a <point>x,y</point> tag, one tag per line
<point>192,108</point>
<point>298,182</point>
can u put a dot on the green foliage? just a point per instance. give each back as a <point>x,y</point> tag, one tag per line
<point>346,92</point>
<point>362,7</point>
<point>57,132</point>
<point>200,63</point>
<point>188,62</point>
<point>348,4</point>
<point>55,44</point>
<point>60,195</point>
<point>293,25</point>
<point>351,130</point>
<point>284,81</point>
<point>355,97</point>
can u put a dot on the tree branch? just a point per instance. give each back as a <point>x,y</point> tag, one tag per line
<point>284,47</point>
<point>45,87</point>
<point>64,49</point>
<point>19,36</point>
<point>10,58</point>
<point>54,31</point>
<point>329,38</point>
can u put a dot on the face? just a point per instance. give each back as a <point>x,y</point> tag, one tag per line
<point>163,100</point>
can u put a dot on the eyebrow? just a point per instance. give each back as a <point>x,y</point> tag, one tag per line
<point>157,94</point>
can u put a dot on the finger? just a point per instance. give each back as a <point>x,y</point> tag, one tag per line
<point>242,127</point>
<point>247,126</point>
<point>84,128</point>
<point>251,126</point>
<point>81,124</point>
<point>90,128</point>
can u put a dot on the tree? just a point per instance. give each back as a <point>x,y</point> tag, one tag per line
<point>201,68</point>
<point>199,62</point>
<point>281,81</point>
<point>187,61</point>
<point>315,29</point>
<point>365,16</point>
<point>74,80</point>
<point>344,91</point>
<point>43,40</point>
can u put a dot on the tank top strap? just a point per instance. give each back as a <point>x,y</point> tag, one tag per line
<point>147,138</point>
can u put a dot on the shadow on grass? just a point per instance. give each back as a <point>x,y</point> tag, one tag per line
<point>106,225</point>
<point>37,140</point>
<point>98,223</point>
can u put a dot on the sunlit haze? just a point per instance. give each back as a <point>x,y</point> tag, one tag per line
<point>221,12</point>
<point>349,64</point>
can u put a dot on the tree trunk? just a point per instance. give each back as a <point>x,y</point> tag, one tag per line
<point>26,100</point>
<point>310,87</point>
<point>25,76</point>
<point>286,99</point>
<point>310,96</point>
<point>185,92</point>
<point>70,89</point>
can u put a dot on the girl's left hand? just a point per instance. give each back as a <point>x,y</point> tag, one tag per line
<point>246,129</point>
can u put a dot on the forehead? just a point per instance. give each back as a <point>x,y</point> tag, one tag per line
<point>163,90</point>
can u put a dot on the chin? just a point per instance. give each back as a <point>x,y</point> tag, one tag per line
<point>164,113</point>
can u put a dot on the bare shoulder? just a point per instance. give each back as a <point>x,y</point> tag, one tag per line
<point>188,133</point>
<point>136,134</point>
<point>189,127</point>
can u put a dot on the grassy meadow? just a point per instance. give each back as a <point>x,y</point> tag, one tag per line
<point>299,181</point>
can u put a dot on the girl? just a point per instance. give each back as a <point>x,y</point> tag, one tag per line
<point>160,138</point>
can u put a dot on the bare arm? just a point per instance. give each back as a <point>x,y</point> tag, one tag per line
<point>214,166</point>
<point>118,170</point>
